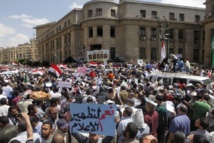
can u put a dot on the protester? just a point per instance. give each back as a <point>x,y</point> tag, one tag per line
<point>145,105</point>
<point>180,123</point>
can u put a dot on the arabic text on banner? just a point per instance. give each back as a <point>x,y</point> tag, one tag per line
<point>93,118</point>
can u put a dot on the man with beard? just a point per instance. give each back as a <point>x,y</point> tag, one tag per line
<point>12,112</point>
<point>47,133</point>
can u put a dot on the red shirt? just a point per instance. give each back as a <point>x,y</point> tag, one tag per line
<point>15,101</point>
<point>169,97</point>
<point>92,74</point>
<point>151,118</point>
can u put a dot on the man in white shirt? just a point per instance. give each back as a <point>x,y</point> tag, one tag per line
<point>7,89</point>
<point>4,107</point>
<point>22,136</point>
<point>127,113</point>
<point>2,95</point>
<point>89,92</point>
<point>56,94</point>
<point>187,65</point>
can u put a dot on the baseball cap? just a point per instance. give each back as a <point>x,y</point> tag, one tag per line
<point>61,123</point>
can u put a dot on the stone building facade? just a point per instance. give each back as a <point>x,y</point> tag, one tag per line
<point>129,29</point>
<point>209,30</point>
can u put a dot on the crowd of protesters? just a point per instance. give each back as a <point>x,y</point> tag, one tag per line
<point>148,111</point>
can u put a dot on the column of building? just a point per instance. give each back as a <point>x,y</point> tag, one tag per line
<point>176,41</point>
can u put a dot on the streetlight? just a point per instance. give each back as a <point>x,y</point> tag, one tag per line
<point>165,35</point>
<point>84,52</point>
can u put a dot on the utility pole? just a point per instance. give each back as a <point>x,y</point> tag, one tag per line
<point>164,33</point>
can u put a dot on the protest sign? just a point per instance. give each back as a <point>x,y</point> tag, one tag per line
<point>82,70</point>
<point>64,84</point>
<point>140,62</point>
<point>93,118</point>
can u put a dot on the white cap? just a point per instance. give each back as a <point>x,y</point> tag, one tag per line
<point>109,102</point>
<point>150,101</point>
<point>193,93</point>
<point>190,84</point>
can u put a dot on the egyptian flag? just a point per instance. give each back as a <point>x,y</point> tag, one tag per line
<point>55,70</point>
<point>15,64</point>
<point>163,51</point>
<point>93,64</point>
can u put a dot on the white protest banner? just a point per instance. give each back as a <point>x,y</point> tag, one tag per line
<point>140,62</point>
<point>64,84</point>
<point>93,118</point>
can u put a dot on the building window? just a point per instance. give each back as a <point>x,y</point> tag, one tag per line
<point>203,35</point>
<point>171,16</point>
<point>99,12</point>
<point>59,28</point>
<point>180,34</point>
<point>69,21</point>
<point>171,34</point>
<point>142,53</point>
<point>143,13</point>
<point>142,31</point>
<point>113,12</point>
<point>180,51</point>
<point>113,53</point>
<point>90,13</point>
<point>171,50</point>
<point>196,36</point>
<point>90,32</point>
<point>99,31</point>
<point>197,18</point>
<point>181,17</point>
<point>154,14</point>
<point>69,38</point>
<point>153,54</point>
<point>195,55</point>
<point>65,24</point>
<point>65,39</point>
<point>112,31</point>
<point>153,34</point>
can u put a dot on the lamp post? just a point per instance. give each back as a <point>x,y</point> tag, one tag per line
<point>164,34</point>
<point>84,52</point>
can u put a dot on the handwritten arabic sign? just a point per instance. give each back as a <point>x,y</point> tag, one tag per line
<point>93,118</point>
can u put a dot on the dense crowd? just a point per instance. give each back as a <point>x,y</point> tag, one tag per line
<point>33,108</point>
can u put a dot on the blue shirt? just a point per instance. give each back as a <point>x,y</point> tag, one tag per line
<point>180,123</point>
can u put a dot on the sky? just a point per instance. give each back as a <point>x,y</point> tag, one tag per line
<point>18,17</point>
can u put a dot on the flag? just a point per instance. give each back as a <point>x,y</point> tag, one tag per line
<point>55,70</point>
<point>15,64</point>
<point>163,51</point>
<point>25,79</point>
<point>93,64</point>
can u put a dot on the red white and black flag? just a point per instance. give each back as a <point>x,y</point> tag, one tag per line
<point>55,70</point>
<point>163,51</point>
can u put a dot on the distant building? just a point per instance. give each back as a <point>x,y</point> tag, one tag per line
<point>26,51</point>
<point>130,29</point>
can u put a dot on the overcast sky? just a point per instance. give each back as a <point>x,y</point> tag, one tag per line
<point>18,17</point>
